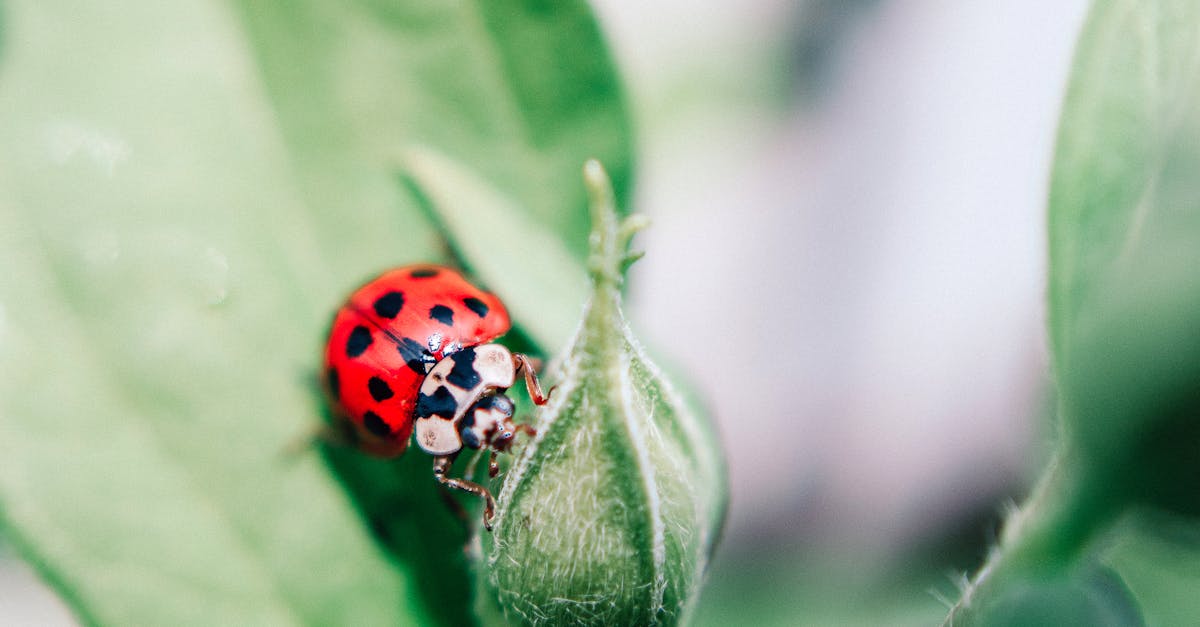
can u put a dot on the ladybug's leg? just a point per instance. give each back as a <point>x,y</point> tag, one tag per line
<point>524,363</point>
<point>441,464</point>
<point>448,499</point>
<point>493,467</point>
<point>456,509</point>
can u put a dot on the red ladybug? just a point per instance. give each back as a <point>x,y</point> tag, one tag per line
<point>410,348</point>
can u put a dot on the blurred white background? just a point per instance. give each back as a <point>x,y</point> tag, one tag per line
<point>848,247</point>
<point>847,253</point>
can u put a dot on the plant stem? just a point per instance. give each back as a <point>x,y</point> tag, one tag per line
<point>1043,538</point>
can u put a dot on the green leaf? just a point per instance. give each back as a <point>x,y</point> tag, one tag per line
<point>187,190</point>
<point>1158,556</point>
<point>158,323</point>
<point>1094,596</point>
<point>519,258</point>
<point>1124,304</point>
<point>1124,223</point>
<point>611,512</point>
<point>520,91</point>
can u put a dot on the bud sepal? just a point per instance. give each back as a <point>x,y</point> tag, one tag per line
<point>609,515</point>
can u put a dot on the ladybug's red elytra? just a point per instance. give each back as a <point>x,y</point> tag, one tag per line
<point>410,350</point>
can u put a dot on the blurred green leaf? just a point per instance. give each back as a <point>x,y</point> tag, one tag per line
<point>162,304</point>
<point>532,270</point>
<point>521,92</point>
<point>1124,226</point>
<point>187,190</point>
<point>1124,312</point>
<point>1158,556</point>
<point>1095,596</point>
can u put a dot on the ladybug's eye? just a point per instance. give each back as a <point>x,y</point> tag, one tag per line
<point>503,405</point>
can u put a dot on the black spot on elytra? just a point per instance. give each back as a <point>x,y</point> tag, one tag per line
<point>380,390</point>
<point>389,304</point>
<point>474,304</point>
<point>358,342</point>
<point>442,314</point>
<point>415,355</point>
<point>335,384</point>
<point>440,403</point>
<point>376,425</point>
<point>424,273</point>
<point>463,373</point>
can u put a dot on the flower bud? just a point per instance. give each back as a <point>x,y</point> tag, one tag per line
<point>609,514</point>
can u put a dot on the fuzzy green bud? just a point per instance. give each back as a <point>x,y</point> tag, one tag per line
<point>609,515</point>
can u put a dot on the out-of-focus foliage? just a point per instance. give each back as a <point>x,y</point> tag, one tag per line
<point>187,190</point>
<point>1124,298</point>
<point>1124,226</point>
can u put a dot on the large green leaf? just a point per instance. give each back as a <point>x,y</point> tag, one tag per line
<point>1124,319</point>
<point>543,286</point>
<point>1124,226</point>
<point>521,91</point>
<point>1158,556</point>
<point>186,191</point>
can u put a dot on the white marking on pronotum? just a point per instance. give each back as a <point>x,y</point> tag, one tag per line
<point>639,442</point>
<point>435,342</point>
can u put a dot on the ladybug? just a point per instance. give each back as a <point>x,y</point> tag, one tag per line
<point>409,351</point>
